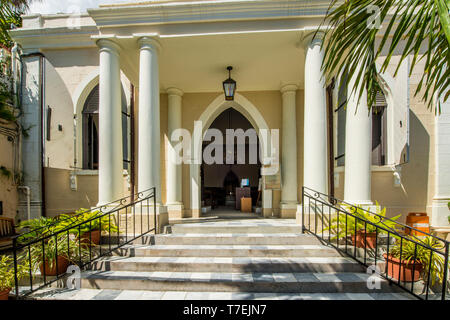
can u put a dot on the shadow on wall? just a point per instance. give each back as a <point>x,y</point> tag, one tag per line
<point>412,195</point>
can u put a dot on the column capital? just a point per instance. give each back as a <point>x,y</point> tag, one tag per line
<point>312,38</point>
<point>288,88</point>
<point>148,41</point>
<point>172,91</point>
<point>107,44</point>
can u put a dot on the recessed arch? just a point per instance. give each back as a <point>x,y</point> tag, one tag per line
<point>241,104</point>
<point>214,109</point>
<point>79,97</point>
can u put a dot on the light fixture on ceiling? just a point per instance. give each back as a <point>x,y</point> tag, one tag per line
<point>229,86</point>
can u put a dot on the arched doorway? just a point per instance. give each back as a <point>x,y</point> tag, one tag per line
<point>216,107</point>
<point>237,172</point>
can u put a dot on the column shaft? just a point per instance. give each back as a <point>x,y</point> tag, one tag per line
<point>173,169</point>
<point>315,118</point>
<point>358,148</point>
<point>289,146</point>
<point>149,165</point>
<point>441,198</point>
<point>110,173</point>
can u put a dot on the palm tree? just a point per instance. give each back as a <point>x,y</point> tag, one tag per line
<point>10,11</point>
<point>416,28</point>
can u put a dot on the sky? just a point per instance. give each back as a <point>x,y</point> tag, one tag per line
<point>68,6</point>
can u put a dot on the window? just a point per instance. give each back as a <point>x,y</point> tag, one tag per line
<point>90,131</point>
<point>379,130</point>
<point>341,114</point>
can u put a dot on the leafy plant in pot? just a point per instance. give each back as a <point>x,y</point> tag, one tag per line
<point>88,225</point>
<point>52,257</point>
<point>35,228</point>
<point>7,275</point>
<point>414,262</point>
<point>363,235</point>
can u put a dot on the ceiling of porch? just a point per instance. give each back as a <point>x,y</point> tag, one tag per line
<point>261,61</point>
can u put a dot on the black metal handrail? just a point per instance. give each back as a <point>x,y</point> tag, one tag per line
<point>315,204</point>
<point>75,243</point>
<point>116,203</point>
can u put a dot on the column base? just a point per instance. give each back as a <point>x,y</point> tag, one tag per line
<point>196,213</point>
<point>288,210</point>
<point>298,216</point>
<point>267,212</point>
<point>175,210</point>
<point>142,218</point>
<point>439,213</point>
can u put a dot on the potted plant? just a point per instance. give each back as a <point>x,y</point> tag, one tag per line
<point>414,261</point>
<point>363,235</point>
<point>90,231</point>
<point>7,275</point>
<point>34,228</point>
<point>52,257</point>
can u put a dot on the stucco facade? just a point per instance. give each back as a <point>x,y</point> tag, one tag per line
<point>264,41</point>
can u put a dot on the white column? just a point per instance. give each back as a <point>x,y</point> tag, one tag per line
<point>173,170</point>
<point>196,208</point>
<point>289,150</point>
<point>441,198</point>
<point>358,148</point>
<point>149,165</point>
<point>315,171</point>
<point>110,173</point>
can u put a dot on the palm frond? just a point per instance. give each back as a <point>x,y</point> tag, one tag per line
<point>419,29</point>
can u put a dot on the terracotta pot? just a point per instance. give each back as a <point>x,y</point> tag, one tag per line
<point>63,263</point>
<point>405,270</point>
<point>4,294</point>
<point>94,237</point>
<point>364,239</point>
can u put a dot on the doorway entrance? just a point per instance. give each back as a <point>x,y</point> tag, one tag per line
<point>223,184</point>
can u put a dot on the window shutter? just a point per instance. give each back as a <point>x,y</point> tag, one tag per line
<point>341,119</point>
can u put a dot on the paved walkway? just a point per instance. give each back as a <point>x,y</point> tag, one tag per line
<point>105,294</point>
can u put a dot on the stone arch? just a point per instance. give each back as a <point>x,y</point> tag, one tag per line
<point>214,109</point>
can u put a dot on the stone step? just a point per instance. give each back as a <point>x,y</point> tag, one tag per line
<point>232,282</point>
<point>242,226</point>
<point>220,264</point>
<point>227,251</point>
<point>219,238</point>
<point>108,294</point>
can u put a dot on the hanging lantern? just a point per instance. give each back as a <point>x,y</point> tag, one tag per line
<point>229,86</point>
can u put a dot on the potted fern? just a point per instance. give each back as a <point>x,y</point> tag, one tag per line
<point>363,235</point>
<point>414,262</point>
<point>53,257</point>
<point>34,228</point>
<point>7,275</point>
<point>90,231</point>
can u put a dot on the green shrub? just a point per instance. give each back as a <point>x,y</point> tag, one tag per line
<point>339,225</point>
<point>410,251</point>
<point>7,272</point>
